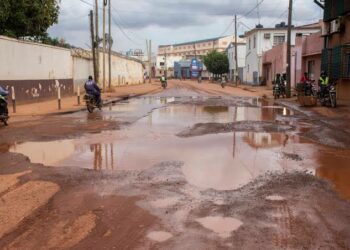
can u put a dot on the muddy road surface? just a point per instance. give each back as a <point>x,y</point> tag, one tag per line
<point>187,168</point>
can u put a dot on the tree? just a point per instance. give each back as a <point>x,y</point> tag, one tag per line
<point>216,62</point>
<point>27,18</point>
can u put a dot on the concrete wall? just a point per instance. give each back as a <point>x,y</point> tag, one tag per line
<point>125,71</point>
<point>82,68</point>
<point>32,69</point>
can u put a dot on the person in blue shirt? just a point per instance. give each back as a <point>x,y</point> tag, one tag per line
<point>92,88</point>
<point>3,92</point>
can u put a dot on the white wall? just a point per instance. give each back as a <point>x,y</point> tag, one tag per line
<point>82,68</point>
<point>125,71</point>
<point>22,60</point>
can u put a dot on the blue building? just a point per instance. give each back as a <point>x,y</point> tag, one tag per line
<point>182,69</point>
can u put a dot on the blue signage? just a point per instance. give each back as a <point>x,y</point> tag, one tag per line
<point>195,68</point>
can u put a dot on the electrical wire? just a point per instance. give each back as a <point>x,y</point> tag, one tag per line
<point>251,11</point>
<point>124,33</point>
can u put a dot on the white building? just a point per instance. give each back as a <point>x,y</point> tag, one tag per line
<point>262,39</point>
<point>241,48</point>
<point>184,51</point>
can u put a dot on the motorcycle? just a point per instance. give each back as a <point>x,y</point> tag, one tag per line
<point>4,114</point>
<point>164,84</point>
<point>279,89</point>
<point>328,96</point>
<point>310,88</point>
<point>91,103</point>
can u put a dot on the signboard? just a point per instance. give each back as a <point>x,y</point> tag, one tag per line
<point>195,68</point>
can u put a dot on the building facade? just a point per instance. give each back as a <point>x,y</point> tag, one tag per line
<point>260,40</point>
<point>241,48</point>
<point>336,52</point>
<point>168,54</point>
<point>306,57</point>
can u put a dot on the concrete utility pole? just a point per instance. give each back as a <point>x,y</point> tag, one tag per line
<point>289,52</point>
<point>109,46</point>
<point>236,60</point>
<point>166,66</point>
<point>96,46</point>
<point>93,43</point>
<point>150,61</point>
<point>104,46</point>
<point>195,51</point>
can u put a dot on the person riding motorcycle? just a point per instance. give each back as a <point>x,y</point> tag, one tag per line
<point>93,89</point>
<point>323,82</point>
<point>3,92</point>
<point>305,78</point>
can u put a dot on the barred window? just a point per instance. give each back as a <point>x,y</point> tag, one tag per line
<point>346,71</point>
<point>278,39</point>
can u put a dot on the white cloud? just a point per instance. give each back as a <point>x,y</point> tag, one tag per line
<point>170,21</point>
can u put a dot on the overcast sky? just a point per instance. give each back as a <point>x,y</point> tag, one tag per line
<point>173,21</point>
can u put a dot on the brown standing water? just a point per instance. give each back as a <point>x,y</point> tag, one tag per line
<point>224,161</point>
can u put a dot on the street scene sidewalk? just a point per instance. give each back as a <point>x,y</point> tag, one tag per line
<point>70,104</point>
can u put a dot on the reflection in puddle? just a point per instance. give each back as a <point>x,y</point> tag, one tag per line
<point>159,236</point>
<point>219,161</point>
<point>223,226</point>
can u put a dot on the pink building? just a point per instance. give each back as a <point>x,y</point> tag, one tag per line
<point>306,57</point>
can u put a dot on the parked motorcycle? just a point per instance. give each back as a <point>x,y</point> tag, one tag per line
<point>328,97</point>
<point>91,103</point>
<point>4,114</point>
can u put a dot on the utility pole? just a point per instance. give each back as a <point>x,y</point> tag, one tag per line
<point>236,51</point>
<point>93,43</point>
<point>150,61</point>
<point>104,46</point>
<point>109,46</point>
<point>166,66</point>
<point>195,52</point>
<point>289,52</point>
<point>97,42</point>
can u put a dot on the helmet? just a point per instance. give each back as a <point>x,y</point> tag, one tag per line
<point>90,77</point>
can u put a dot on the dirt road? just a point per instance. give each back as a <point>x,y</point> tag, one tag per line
<point>192,167</point>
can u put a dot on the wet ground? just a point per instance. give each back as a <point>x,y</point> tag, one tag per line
<point>182,169</point>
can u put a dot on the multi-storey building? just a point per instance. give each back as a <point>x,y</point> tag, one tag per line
<point>263,39</point>
<point>168,54</point>
<point>336,52</point>
<point>241,48</point>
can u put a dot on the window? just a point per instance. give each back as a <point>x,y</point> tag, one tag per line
<point>161,63</point>
<point>278,39</point>
<point>254,42</point>
<point>347,64</point>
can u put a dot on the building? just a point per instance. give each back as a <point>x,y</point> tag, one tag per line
<point>263,39</point>
<point>306,57</point>
<point>336,52</point>
<point>169,54</point>
<point>241,48</point>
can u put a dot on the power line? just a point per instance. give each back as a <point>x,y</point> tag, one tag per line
<point>227,28</point>
<point>124,33</point>
<point>251,11</point>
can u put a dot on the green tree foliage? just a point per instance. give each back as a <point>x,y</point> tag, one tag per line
<point>27,18</point>
<point>216,62</point>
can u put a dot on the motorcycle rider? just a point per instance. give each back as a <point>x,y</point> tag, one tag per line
<point>305,78</point>
<point>93,89</point>
<point>3,94</point>
<point>323,82</point>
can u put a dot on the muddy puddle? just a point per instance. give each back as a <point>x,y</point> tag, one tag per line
<point>223,161</point>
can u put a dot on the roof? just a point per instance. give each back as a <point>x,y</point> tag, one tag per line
<point>232,44</point>
<point>304,27</point>
<point>200,41</point>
